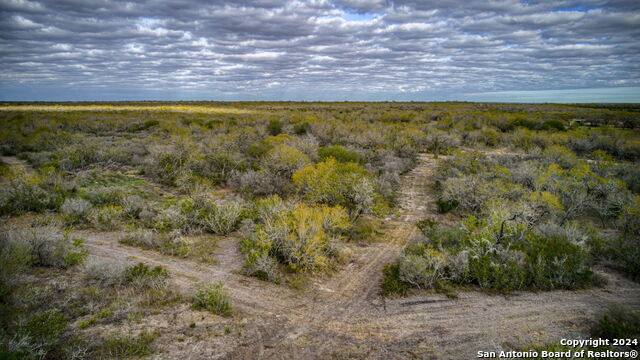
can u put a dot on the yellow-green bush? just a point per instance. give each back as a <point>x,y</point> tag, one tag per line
<point>302,237</point>
<point>334,183</point>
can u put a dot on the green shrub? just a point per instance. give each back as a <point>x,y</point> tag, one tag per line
<point>553,125</point>
<point>335,183</point>
<point>274,127</point>
<point>46,326</point>
<point>132,206</point>
<point>526,123</point>
<point>301,128</point>
<point>422,271</point>
<point>301,237</point>
<point>391,284</point>
<point>498,269</point>
<point>165,163</point>
<point>283,160</point>
<point>45,246</point>
<point>150,123</point>
<point>107,218</point>
<point>556,263</point>
<point>264,267</point>
<point>212,297</point>
<point>143,276</point>
<point>427,226</point>
<point>366,229</point>
<point>521,260</point>
<point>118,347</point>
<point>173,218</point>
<point>221,217</point>
<point>75,210</point>
<point>171,243</point>
<point>30,193</point>
<point>106,273</point>
<point>36,338</point>
<point>444,206</point>
<point>339,153</point>
<point>617,322</point>
<point>104,195</point>
<point>15,254</point>
<point>624,252</point>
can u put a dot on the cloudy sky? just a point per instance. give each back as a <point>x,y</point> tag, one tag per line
<point>485,50</point>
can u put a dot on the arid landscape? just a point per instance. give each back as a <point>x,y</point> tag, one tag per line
<point>283,230</point>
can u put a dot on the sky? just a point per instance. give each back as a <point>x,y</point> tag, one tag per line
<point>320,50</point>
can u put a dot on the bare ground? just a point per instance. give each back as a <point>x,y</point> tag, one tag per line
<point>344,316</point>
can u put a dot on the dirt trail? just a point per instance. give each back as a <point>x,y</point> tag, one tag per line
<point>415,201</point>
<point>248,293</point>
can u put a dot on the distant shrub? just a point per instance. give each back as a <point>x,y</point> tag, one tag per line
<point>104,195</point>
<point>553,125</point>
<point>76,156</point>
<point>172,218</point>
<point>284,160</point>
<point>387,184</point>
<point>105,273</point>
<point>212,297</point>
<point>440,142</point>
<point>259,183</point>
<point>263,267</point>
<point>76,210</point>
<point>221,217</point>
<point>150,123</point>
<point>118,347</point>
<point>218,165</point>
<point>165,163</point>
<point>132,206</point>
<point>107,218</point>
<point>560,155</point>
<point>145,277</point>
<point>445,206</point>
<point>171,243</point>
<point>339,153</point>
<point>274,127</point>
<point>46,246</point>
<point>301,128</point>
<point>468,194</point>
<point>31,193</point>
<point>524,122</point>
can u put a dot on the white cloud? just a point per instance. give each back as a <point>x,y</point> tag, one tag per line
<point>398,48</point>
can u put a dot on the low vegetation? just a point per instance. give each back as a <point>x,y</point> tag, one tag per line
<point>212,297</point>
<point>527,199</point>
